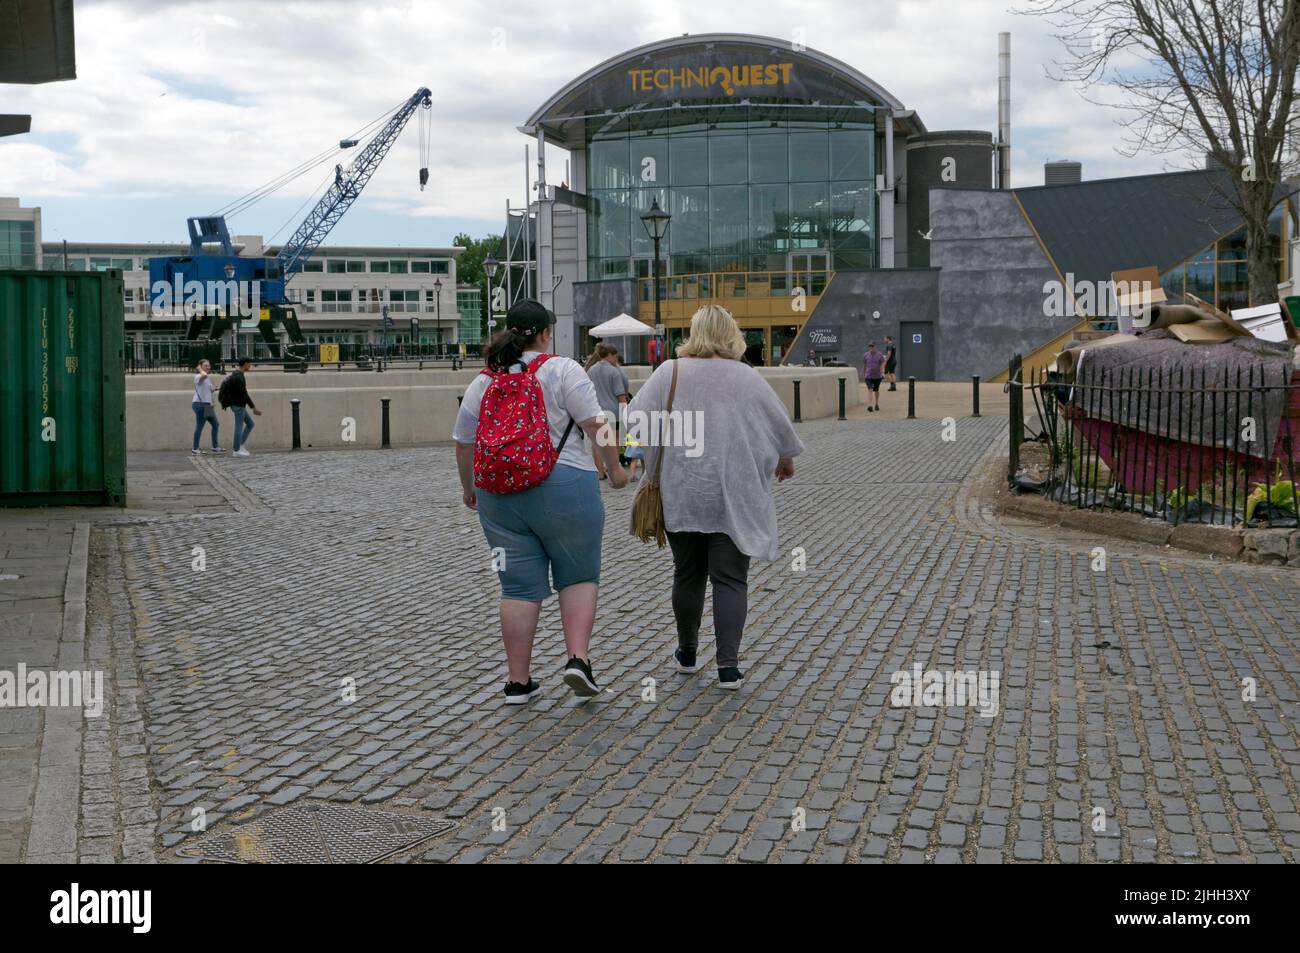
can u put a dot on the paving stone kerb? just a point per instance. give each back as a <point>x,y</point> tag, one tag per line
<point>344,646</point>
<point>422,406</point>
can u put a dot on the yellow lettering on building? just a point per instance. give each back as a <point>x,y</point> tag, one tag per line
<point>727,78</point>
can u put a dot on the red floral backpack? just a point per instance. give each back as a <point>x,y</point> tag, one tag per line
<point>512,444</point>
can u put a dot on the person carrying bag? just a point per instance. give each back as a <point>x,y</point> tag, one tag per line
<point>648,504</point>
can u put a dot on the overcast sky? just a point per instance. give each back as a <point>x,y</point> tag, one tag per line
<point>180,107</point>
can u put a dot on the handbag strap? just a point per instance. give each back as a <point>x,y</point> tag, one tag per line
<point>663,446</point>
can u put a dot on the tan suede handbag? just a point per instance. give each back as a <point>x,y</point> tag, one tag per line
<point>648,505</point>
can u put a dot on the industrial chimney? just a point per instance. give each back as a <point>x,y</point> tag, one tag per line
<point>1004,110</point>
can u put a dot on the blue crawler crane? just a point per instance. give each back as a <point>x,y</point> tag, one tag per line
<point>213,287</point>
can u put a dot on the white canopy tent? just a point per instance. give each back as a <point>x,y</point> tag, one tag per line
<point>622,326</point>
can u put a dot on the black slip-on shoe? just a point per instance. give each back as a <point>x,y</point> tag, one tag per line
<point>577,675</point>
<point>517,693</point>
<point>685,661</point>
<point>730,678</point>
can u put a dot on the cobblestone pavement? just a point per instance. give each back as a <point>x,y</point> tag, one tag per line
<point>1120,731</point>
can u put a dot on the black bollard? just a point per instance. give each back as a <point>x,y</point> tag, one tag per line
<point>384,441</point>
<point>911,398</point>
<point>842,417</point>
<point>297,427</point>
<point>798,411</point>
<point>975,395</point>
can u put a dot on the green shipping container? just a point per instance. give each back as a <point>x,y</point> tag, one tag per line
<point>62,389</point>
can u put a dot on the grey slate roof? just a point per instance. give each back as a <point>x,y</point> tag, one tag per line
<point>1098,226</point>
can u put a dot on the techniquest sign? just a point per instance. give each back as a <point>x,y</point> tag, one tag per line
<point>729,79</point>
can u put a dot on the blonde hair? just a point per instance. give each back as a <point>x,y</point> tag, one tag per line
<point>714,333</point>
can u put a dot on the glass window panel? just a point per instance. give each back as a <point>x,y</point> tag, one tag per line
<point>379,266</point>
<point>356,265</point>
<point>1200,280</point>
<point>335,267</point>
<point>809,215</point>
<point>851,215</point>
<point>768,156</point>
<point>440,267</point>
<point>1233,248</point>
<point>313,265</point>
<point>729,220</point>
<point>728,158</point>
<point>420,267</point>
<point>809,156</point>
<point>851,153</point>
<point>607,164</point>
<point>650,160</point>
<point>1172,282</point>
<point>1234,285</point>
<point>689,163</point>
<point>769,220</point>
<point>642,243</point>
<point>689,232</point>
<point>397,267</point>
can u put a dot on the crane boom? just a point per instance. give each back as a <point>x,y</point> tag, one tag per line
<point>347,186</point>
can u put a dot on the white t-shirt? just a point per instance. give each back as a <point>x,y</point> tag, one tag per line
<point>569,395</point>
<point>203,388</point>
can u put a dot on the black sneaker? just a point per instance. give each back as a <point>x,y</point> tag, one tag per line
<point>577,675</point>
<point>730,678</point>
<point>517,693</point>
<point>685,661</point>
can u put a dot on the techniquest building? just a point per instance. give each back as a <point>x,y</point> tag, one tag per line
<point>818,208</point>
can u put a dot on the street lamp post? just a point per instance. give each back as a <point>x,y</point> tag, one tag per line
<point>656,224</point>
<point>234,329</point>
<point>437,304</point>
<point>490,269</point>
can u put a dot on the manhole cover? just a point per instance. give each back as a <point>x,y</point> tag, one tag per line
<point>318,834</point>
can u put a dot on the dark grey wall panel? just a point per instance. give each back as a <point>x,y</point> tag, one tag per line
<point>991,298</point>
<point>851,302</point>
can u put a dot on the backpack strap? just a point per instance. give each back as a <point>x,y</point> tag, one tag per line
<point>532,368</point>
<point>538,361</point>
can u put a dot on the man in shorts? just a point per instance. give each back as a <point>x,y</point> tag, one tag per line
<point>891,362</point>
<point>873,370</point>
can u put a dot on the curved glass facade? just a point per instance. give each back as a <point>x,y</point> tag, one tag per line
<point>747,186</point>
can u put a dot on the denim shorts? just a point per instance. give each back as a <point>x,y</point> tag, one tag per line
<point>556,527</point>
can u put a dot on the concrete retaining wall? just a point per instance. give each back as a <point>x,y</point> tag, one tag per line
<point>422,409</point>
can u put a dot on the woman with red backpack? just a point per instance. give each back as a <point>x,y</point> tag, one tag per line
<point>523,467</point>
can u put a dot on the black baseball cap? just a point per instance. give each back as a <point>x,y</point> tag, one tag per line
<point>529,315</point>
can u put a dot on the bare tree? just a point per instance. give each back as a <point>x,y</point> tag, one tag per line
<point>1196,77</point>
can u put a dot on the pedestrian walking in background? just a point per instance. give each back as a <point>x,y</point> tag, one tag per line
<point>891,362</point>
<point>233,394</point>
<point>534,488</point>
<point>612,392</point>
<point>873,371</point>
<point>717,506</point>
<point>204,412</point>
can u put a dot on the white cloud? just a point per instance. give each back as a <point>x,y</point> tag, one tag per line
<point>174,99</point>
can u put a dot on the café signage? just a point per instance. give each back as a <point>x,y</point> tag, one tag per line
<point>824,337</point>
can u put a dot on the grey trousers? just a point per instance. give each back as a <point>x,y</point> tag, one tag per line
<point>700,558</point>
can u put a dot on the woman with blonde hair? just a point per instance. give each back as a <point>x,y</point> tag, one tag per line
<point>725,435</point>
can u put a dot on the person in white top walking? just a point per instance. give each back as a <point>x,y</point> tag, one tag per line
<point>204,412</point>
<point>549,530</point>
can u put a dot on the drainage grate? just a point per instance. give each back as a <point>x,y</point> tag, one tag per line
<point>318,834</point>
